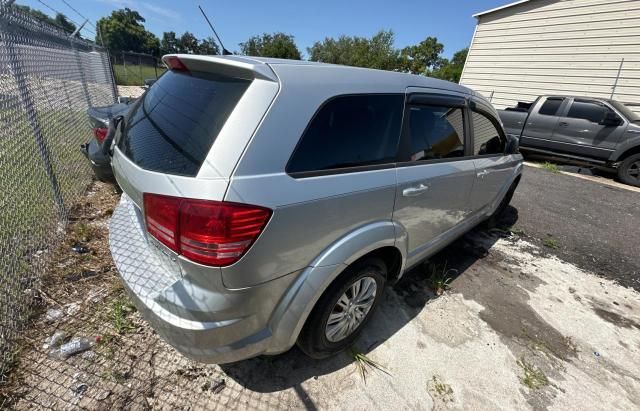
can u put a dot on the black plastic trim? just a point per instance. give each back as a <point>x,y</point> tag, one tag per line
<point>343,170</point>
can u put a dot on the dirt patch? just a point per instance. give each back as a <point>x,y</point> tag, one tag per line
<point>615,318</point>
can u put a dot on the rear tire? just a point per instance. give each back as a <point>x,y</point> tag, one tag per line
<point>629,170</point>
<point>318,338</point>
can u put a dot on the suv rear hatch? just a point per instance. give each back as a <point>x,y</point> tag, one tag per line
<point>184,137</point>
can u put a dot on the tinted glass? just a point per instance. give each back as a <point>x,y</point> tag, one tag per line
<point>486,137</point>
<point>350,131</point>
<point>551,106</point>
<point>436,132</point>
<point>173,127</point>
<point>626,111</point>
<point>587,110</point>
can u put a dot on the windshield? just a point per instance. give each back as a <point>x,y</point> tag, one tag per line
<point>172,128</point>
<point>626,111</point>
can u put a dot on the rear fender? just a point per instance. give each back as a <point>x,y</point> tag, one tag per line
<point>294,308</point>
<point>630,140</point>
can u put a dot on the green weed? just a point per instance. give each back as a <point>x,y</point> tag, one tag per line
<point>533,377</point>
<point>550,167</point>
<point>364,364</point>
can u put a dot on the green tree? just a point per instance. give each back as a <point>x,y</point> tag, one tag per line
<point>279,45</point>
<point>451,70</point>
<point>123,31</point>
<point>208,46</point>
<point>169,43</point>
<point>375,52</point>
<point>188,43</point>
<point>421,58</point>
<point>61,20</point>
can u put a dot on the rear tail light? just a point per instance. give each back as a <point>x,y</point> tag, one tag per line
<point>175,64</point>
<point>208,232</point>
<point>100,133</point>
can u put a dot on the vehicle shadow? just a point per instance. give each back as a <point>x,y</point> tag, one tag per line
<point>402,302</point>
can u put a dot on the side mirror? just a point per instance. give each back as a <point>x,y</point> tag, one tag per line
<point>513,144</point>
<point>611,119</point>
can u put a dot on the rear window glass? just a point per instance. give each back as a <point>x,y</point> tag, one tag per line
<point>487,139</point>
<point>172,128</point>
<point>551,106</point>
<point>350,131</point>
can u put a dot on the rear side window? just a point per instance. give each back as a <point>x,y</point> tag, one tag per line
<point>550,106</point>
<point>587,110</point>
<point>350,131</point>
<point>173,127</point>
<point>487,139</point>
<point>436,133</point>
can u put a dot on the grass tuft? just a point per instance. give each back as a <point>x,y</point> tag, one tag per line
<point>440,280</point>
<point>364,364</point>
<point>551,167</point>
<point>550,243</point>
<point>441,388</point>
<point>533,377</point>
<point>120,310</point>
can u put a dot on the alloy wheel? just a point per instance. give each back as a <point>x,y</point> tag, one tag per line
<point>351,309</point>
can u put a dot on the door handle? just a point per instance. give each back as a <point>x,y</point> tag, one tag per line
<point>482,173</point>
<point>415,191</point>
<point>563,124</point>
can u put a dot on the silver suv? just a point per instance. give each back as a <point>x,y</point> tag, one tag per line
<point>268,202</point>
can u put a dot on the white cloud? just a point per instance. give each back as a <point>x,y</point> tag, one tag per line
<point>154,9</point>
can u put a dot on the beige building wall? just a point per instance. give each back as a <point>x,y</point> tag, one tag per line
<point>569,47</point>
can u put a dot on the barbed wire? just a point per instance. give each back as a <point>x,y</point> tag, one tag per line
<point>69,18</point>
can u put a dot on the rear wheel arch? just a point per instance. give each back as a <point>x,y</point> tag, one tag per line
<point>284,328</point>
<point>629,152</point>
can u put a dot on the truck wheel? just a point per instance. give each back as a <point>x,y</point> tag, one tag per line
<point>629,170</point>
<point>344,309</point>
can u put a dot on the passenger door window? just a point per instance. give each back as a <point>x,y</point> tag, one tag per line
<point>587,110</point>
<point>487,137</point>
<point>350,131</point>
<point>550,106</point>
<point>436,133</point>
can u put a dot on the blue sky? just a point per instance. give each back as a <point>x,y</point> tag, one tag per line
<point>236,20</point>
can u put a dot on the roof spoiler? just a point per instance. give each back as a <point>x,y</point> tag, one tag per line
<point>232,66</point>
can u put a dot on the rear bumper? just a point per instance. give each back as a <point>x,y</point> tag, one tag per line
<point>100,164</point>
<point>188,305</point>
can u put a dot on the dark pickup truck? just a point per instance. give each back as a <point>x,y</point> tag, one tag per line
<point>599,132</point>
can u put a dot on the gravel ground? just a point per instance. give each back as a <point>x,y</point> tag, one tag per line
<point>522,326</point>
<point>596,226</point>
<point>130,91</point>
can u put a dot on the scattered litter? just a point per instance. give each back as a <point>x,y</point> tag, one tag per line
<point>75,346</point>
<point>80,276</point>
<point>72,308</point>
<point>95,296</point>
<point>89,355</point>
<point>54,340</point>
<point>215,387</point>
<point>53,315</point>
<point>596,353</point>
<point>79,248</point>
<point>80,389</point>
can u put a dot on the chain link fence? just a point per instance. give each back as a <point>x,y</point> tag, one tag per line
<point>47,82</point>
<point>132,69</point>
